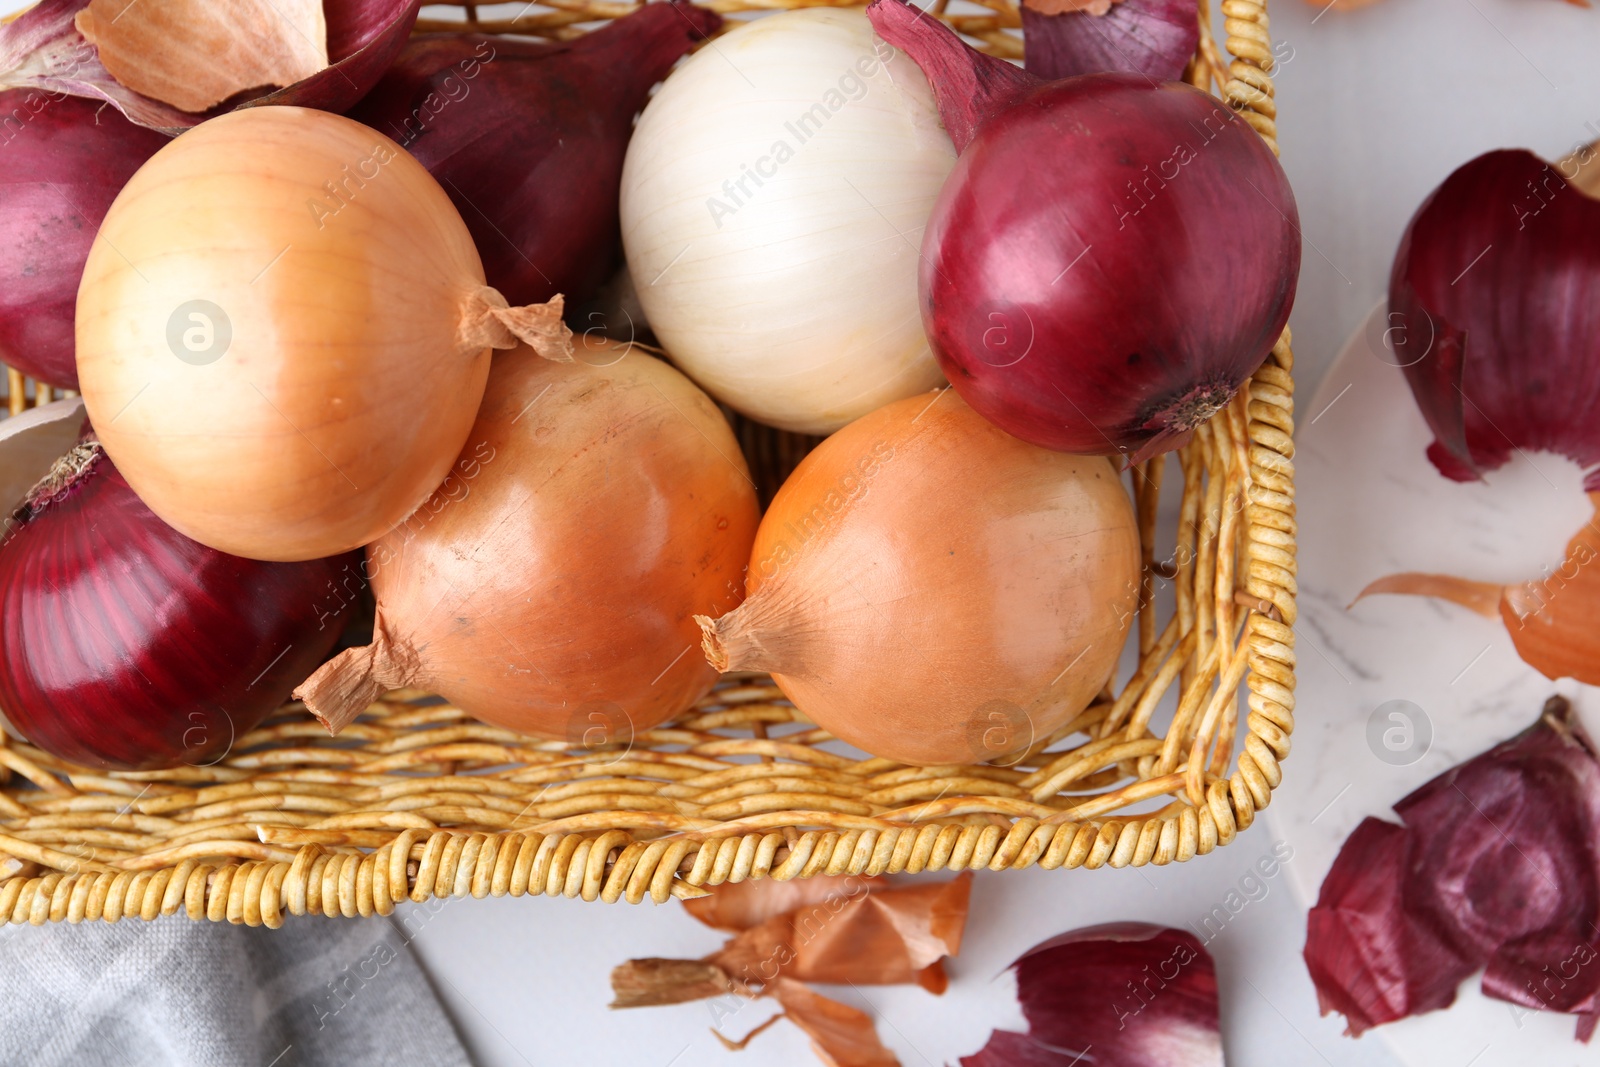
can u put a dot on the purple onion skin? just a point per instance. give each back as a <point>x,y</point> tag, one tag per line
<point>126,646</point>
<point>1109,262</point>
<point>61,164</point>
<point>1497,866</point>
<point>1494,314</point>
<point>1154,37</point>
<point>528,138</point>
<point>1124,994</point>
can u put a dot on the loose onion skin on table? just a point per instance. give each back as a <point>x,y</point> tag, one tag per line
<point>125,645</point>
<point>283,334</point>
<point>528,138</point>
<point>550,585</point>
<point>932,590</point>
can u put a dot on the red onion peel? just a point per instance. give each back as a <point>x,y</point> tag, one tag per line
<point>1123,994</point>
<point>1156,38</point>
<point>43,50</point>
<point>1061,282</point>
<point>1497,866</point>
<point>1494,313</point>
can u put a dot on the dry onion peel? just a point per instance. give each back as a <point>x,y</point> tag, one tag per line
<point>283,333</point>
<point>528,137</point>
<point>862,931</point>
<point>1494,314</point>
<point>1119,995</point>
<point>549,585</point>
<point>1064,38</point>
<point>247,44</point>
<point>42,49</point>
<point>933,590</point>
<point>30,444</point>
<point>1497,866</point>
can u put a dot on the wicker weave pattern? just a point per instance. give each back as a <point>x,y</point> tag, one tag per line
<point>428,803</point>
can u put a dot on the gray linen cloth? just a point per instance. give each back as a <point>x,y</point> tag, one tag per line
<point>180,993</point>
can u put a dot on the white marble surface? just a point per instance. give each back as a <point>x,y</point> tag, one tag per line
<point>1371,504</point>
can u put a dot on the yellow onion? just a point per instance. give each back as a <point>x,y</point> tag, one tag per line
<point>550,585</point>
<point>933,590</point>
<point>283,333</point>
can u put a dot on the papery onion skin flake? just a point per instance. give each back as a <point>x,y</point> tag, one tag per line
<point>1494,315</point>
<point>1497,866</point>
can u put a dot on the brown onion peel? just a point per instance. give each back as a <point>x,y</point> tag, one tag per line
<point>1497,866</point>
<point>247,44</point>
<point>1554,621</point>
<point>932,590</point>
<point>837,929</point>
<point>548,585</point>
<point>42,49</point>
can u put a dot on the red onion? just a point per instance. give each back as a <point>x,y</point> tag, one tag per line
<point>1494,313</point>
<point>65,161</point>
<point>1064,38</point>
<point>125,645</point>
<point>1497,866</point>
<point>1111,258</point>
<point>1120,995</point>
<point>528,138</point>
<point>43,50</point>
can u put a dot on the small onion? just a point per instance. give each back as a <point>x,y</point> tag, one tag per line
<point>550,585</point>
<point>773,201</point>
<point>125,645</point>
<point>1112,257</point>
<point>283,333</point>
<point>66,160</point>
<point>933,590</point>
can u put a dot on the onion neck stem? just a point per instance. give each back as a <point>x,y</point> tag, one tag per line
<point>731,645</point>
<point>488,321</point>
<point>65,475</point>
<point>969,86</point>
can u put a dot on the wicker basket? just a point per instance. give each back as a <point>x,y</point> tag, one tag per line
<point>416,800</point>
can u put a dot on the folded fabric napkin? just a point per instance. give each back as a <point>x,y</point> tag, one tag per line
<point>180,993</point>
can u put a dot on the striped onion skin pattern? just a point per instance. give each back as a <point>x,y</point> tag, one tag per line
<point>126,645</point>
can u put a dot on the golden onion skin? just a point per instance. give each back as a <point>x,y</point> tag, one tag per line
<point>933,590</point>
<point>269,334</point>
<point>550,585</point>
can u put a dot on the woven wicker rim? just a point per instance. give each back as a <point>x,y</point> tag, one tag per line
<point>293,822</point>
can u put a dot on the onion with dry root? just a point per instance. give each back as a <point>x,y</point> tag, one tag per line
<point>933,590</point>
<point>283,334</point>
<point>550,585</point>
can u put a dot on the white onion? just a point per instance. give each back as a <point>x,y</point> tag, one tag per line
<point>777,260</point>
